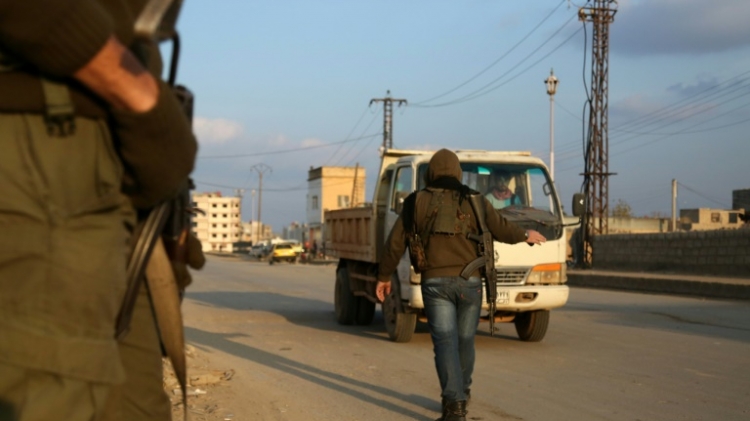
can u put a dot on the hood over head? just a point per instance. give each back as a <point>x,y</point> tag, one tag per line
<point>444,164</point>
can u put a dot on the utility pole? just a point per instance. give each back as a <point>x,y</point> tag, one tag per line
<point>674,205</point>
<point>352,201</point>
<point>252,216</point>
<point>596,173</point>
<point>388,117</point>
<point>261,169</point>
<point>239,193</point>
<point>551,83</point>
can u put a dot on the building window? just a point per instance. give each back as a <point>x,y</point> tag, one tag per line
<point>223,236</point>
<point>224,205</point>
<point>213,235</point>
<point>732,218</point>
<point>224,215</point>
<point>213,215</point>
<point>214,226</point>
<point>213,205</point>
<point>343,201</point>
<point>195,224</point>
<point>314,204</point>
<point>715,217</point>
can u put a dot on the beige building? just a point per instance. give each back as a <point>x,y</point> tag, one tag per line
<point>220,227</point>
<point>703,219</point>
<point>252,233</point>
<point>332,188</point>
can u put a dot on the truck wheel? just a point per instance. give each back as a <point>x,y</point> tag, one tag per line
<point>532,326</point>
<point>400,326</point>
<point>365,311</point>
<point>344,301</point>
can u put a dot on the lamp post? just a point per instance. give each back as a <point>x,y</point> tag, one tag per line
<point>551,83</point>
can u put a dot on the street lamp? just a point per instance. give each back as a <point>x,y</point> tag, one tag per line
<point>551,83</point>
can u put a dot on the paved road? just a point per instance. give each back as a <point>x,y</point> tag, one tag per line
<point>607,356</point>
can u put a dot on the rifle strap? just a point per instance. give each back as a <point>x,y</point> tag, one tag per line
<point>146,233</point>
<point>165,299</point>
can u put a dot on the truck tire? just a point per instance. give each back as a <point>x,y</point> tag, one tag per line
<point>532,326</point>
<point>345,302</point>
<point>365,311</point>
<point>400,325</point>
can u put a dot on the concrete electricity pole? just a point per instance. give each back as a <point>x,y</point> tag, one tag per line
<point>239,193</point>
<point>261,169</point>
<point>596,167</point>
<point>674,205</point>
<point>388,117</point>
<point>551,83</point>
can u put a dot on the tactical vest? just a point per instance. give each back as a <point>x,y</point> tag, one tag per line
<point>444,217</point>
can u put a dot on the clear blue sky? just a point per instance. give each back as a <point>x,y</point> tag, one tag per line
<point>293,80</point>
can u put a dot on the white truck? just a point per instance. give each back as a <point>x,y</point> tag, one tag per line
<point>530,280</point>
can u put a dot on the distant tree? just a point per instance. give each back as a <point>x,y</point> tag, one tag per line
<point>621,209</point>
<point>658,215</point>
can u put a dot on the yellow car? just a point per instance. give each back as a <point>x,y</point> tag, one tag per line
<point>281,252</point>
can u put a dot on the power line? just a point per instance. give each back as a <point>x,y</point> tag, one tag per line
<point>494,62</point>
<point>283,151</point>
<point>484,90</point>
<point>349,135</point>
<point>703,195</point>
<point>343,156</point>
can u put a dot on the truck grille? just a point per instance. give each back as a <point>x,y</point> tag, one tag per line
<point>511,276</point>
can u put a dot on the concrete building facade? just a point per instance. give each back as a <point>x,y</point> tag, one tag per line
<point>330,188</point>
<point>220,226</point>
<point>704,219</point>
<point>252,233</point>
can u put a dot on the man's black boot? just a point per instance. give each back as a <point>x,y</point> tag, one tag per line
<point>467,392</point>
<point>454,411</point>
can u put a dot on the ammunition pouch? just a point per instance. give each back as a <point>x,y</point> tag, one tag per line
<point>417,254</point>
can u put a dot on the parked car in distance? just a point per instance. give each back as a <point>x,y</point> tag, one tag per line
<point>282,252</point>
<point>258,250</point>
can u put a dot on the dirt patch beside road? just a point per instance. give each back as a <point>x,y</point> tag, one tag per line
<point>207,389</point>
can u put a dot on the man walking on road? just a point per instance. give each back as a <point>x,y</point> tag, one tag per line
<point>443,216</point>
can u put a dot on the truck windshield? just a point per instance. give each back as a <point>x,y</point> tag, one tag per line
<point>521,192</point>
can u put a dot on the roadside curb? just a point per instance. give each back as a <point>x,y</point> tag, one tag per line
<point>709,287</point>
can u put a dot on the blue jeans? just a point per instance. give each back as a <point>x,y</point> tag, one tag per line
<point>452,305</point>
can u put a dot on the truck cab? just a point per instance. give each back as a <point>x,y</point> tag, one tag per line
<point>530,280</point>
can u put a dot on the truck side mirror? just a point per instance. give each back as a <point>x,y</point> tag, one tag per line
<point>579,204</point>
<point>399,203</point>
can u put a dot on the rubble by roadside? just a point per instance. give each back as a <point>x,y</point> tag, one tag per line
<point>202,380</point>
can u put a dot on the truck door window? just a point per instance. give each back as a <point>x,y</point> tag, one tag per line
<point>402,188</point>
<point>384,187</point>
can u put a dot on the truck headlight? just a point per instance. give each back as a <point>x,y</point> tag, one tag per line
<point>548,273</point>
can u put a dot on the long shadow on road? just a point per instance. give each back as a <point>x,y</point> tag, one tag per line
<point>332,381</point>
<point>301,311</point>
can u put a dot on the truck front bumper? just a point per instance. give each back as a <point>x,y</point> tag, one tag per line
<point>513,298</point>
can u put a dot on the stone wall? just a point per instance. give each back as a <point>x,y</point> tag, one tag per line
<point>719,252</point>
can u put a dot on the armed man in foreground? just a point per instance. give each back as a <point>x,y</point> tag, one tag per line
<point>445,221</point>
<point>89,134</point>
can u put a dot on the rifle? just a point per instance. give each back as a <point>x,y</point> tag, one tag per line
<point>486,258</point>
<point>163,236</point>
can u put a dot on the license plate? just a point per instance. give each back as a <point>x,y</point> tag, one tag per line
<point>503,298</point>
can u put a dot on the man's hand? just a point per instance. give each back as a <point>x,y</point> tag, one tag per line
<point>117,76</point>
<point>534,237</point>
<point>382,289</point>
